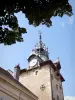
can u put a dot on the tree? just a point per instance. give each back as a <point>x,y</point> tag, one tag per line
<point>37,12</point>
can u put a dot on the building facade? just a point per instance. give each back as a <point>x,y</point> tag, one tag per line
<point>42,79</point>
<point>43,76</point>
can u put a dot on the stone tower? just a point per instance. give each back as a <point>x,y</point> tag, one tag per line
<point>43,76</point>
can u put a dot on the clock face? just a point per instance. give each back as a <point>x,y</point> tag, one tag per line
<point>44,58</point>
<point>33,62</point>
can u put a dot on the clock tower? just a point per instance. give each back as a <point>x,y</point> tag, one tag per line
<point>39,54</point>
<point>43,76</point>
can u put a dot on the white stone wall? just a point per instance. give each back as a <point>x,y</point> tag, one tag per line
<point>33,82</point>
<point>12,91</point>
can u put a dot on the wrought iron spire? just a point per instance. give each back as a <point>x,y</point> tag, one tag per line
<point>40,42</point>
<point>40,39</point>
<point>40,49</point>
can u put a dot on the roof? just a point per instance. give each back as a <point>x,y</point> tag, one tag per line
<point>57,63</point>
<point>62,78</point>
<point>48,62</point>
<point>41,65</point>
<point>6,73</point>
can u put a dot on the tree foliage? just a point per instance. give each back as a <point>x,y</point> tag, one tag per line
<point>37,12</point>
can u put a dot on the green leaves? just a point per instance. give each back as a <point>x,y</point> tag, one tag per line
<point>37,12</point>
<point>10,32</point>
<point>9,37</point>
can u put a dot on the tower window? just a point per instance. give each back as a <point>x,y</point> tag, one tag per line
<point>36,72</point>
<point>37,49</point>
<point>41,49</point>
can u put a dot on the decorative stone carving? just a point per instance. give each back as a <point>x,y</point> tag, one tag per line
<point>42,87</point>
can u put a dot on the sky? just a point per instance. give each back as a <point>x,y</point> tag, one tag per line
<point>69,98</point>
<point>59,39</point>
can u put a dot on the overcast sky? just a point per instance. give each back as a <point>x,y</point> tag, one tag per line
<point>60,40</point>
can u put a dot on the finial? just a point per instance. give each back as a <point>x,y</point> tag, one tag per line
<point>18,65</point>
<point>58,59</point>
<point>40,37</point>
